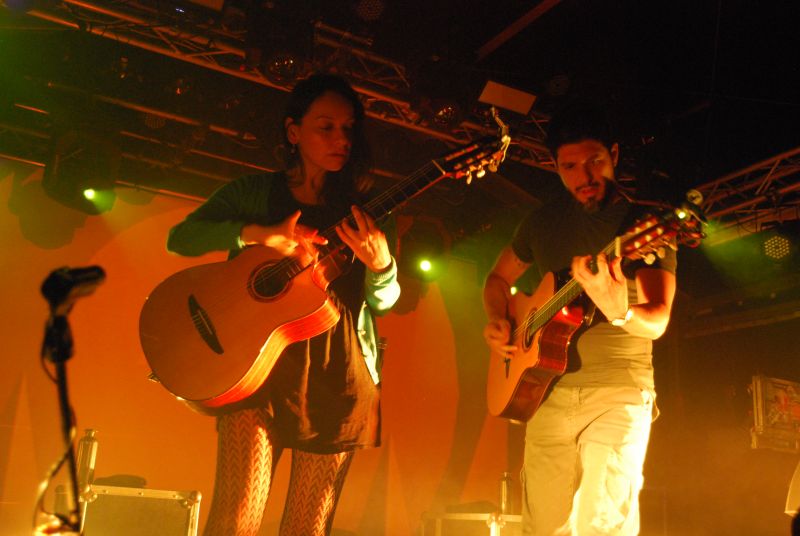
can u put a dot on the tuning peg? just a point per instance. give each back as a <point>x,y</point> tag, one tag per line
<point>469,176</point>
<point>480,173</point>
<point>661,252</point>
<point>650,258</point>
<point>493,166</point>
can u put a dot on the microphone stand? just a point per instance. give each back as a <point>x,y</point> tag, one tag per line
<point>61,289</point>
<point>57,347</point>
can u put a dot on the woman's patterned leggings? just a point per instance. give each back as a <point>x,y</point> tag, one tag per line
<point>248,453</point>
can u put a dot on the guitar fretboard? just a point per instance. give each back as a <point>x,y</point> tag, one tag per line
<point>563,297</point>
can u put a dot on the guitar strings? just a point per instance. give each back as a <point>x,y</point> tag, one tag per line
<point>290,267</point>
<point>561,298</point>
<point>568,292</point>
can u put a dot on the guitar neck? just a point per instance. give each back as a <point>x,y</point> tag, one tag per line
<point>387,202</point>
<point>473,157</point>
<point>378,208</point>
<point>644,241</point>
<point>563,297</point>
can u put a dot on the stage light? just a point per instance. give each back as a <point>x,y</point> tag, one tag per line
<point>282,67</point>
<point>446,112</point>
<point>422,250</point>
<point>777,247</point>
<point>780,242</point>
<point>81,171</point>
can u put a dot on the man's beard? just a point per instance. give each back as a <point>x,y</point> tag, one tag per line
<point>592,206</point>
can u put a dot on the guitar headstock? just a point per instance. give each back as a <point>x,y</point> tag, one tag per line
<point>649,237</point>
<point>473,159</point>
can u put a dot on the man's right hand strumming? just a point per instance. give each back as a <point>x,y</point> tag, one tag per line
<point>497,334</point>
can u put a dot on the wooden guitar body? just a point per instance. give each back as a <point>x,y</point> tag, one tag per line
<point>544,323</point>
<point>516,385</point>
<point>212,333</point>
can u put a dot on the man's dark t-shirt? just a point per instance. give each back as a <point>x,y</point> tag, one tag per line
<point>549,237</point>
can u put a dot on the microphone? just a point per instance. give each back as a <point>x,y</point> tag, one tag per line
<point>65,285</point>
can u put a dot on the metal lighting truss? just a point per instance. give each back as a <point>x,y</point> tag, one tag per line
<point>740,202</point>
<point>381,82</point>
<point>762,194</point>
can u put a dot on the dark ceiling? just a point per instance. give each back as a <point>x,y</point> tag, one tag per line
<point>715,82</point>
<point>698,88</point>
<point>711,85</point>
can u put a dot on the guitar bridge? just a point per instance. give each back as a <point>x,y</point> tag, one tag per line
<point>203,325</point>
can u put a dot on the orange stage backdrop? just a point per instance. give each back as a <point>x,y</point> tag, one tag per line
<point>440,449</point>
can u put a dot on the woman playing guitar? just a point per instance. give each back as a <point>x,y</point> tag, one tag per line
<point>321,398</point>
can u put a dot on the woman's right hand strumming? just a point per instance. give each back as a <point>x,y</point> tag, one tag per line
<point>288,237</point>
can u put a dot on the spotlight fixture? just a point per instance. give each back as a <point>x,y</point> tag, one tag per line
<point>282,68</point>
<point>780,242</point>
<point>81,171</point>
<point>446,112</point>
<point>422,250</point>
<point>777,247</point>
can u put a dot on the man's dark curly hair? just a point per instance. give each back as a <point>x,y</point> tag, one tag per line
<point>579,121</point>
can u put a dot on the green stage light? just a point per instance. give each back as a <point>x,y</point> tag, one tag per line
<point>81,171</point>
<point>422,251</point>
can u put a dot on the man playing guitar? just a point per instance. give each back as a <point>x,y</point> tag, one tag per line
<point>585,444</point>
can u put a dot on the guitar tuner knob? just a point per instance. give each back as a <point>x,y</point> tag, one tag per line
<point>481,172</point>
<point>649,259</point>
<point>493,167</point>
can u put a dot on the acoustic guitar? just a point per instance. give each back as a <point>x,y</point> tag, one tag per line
<point>544,322</point>
<point>213,333</point>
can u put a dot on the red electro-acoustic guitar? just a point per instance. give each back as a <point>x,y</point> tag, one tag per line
<point>212,333</point>
<point>544,322</point>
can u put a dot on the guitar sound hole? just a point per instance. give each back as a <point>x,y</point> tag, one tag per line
<point>527,340</point>
<point>265,285</point>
